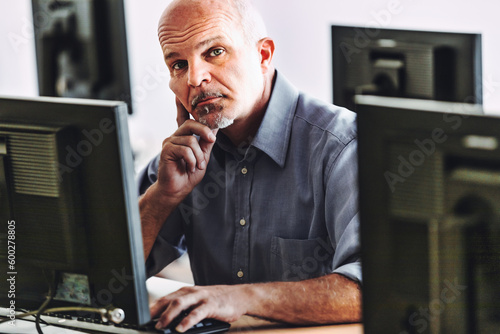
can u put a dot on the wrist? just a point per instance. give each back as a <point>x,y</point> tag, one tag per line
<point>156,204</point>
<point>257,296</point>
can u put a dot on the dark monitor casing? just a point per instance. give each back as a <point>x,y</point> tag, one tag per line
<point>430,65</point>
<point>81,49</point>
<point>430,218</point>
<point>67,183</point>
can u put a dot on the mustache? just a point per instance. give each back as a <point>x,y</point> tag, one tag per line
<point>204,95</point>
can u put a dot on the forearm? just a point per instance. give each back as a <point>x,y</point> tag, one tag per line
<point>329,299</point>
<point>153,211</point>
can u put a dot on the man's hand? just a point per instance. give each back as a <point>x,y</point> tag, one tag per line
<point>183,161</point>
<point>184,158</point>
<point>324,300</point>
<point>222,302</point>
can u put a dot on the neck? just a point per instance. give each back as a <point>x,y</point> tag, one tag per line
<point>243,130</point>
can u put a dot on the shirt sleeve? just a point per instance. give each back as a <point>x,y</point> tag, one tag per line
<point>170,243</point>
<point>342,192</point>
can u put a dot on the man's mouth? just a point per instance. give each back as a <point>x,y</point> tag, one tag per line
<point>204,99</point>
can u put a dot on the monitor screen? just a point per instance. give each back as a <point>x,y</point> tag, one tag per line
<point>69,210</point>
<point>429,178</point>
<point>81,49</point>
<point>429,65</point>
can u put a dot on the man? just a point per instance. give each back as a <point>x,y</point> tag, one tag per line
<point>260,187</point>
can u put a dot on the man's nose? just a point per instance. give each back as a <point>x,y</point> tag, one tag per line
<point>198,73</point>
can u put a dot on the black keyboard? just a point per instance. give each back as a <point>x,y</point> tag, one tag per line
<point>206,326</point>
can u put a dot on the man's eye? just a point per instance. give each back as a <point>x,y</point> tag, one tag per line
<point>216,52</point>
<point>179,65</point>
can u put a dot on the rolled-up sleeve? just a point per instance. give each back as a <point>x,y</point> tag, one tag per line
<point>342,193</point>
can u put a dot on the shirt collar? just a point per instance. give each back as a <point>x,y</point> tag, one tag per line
<point>273,135</point>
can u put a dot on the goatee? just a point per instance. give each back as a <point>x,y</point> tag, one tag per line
<point>212,116</point>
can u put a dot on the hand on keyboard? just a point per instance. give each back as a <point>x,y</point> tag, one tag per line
<point>205,326</point>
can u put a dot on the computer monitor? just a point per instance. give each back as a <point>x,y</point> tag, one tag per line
<point>81,49</point>
<point>429,65</point>
<point>69,209</point>
<point>429,178</point>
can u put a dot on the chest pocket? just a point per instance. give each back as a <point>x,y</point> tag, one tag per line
<point>296,259</point>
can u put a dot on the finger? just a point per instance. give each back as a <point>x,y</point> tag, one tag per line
<point>172,305</point>
<point>192,143</point>
<point>192,127</point>
<point>206,146</point>
<point>181,154</point>
<point>167,311</point>
<point>195,316</point>
<point>162,303</point>
<point>182,114</point>
<point>157,307</point>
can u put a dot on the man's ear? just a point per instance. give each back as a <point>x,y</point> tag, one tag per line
<point>266,51</point>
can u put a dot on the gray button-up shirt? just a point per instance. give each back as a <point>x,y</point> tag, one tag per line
<point>282,207</point>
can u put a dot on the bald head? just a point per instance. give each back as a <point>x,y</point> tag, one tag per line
<point>250,21</point>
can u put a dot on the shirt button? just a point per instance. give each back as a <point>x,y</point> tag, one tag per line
<point>243,222</point>
<point>240,274</point>
<point>244,170</point>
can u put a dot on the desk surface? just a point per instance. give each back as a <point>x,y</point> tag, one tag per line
<point>244,325</point>
<point>158,287</point>
<point>251,325</point>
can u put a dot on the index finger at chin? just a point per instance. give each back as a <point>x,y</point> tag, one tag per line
<point>192,127</point>
<point>182,113</point>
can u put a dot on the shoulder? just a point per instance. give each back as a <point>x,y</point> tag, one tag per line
<point>328,118</point>
<point>323,134</point>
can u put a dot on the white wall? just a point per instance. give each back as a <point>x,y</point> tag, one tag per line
<point>300,28</point>
<point>302,31</point>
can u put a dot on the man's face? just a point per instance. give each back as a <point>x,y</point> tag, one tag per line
<point>213,71</point>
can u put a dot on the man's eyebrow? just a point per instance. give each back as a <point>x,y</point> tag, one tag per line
<point>198,46</point>
<point>172,55</point>
<point>209,41</point>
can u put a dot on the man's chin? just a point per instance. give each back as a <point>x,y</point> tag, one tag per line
<point>216,122</point>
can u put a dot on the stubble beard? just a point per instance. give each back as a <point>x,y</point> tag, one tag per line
<point>212,116</point>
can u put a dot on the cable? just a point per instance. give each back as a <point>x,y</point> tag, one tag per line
<point>44,305</point>
<point>41,310</point>
<point>24,313</point>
